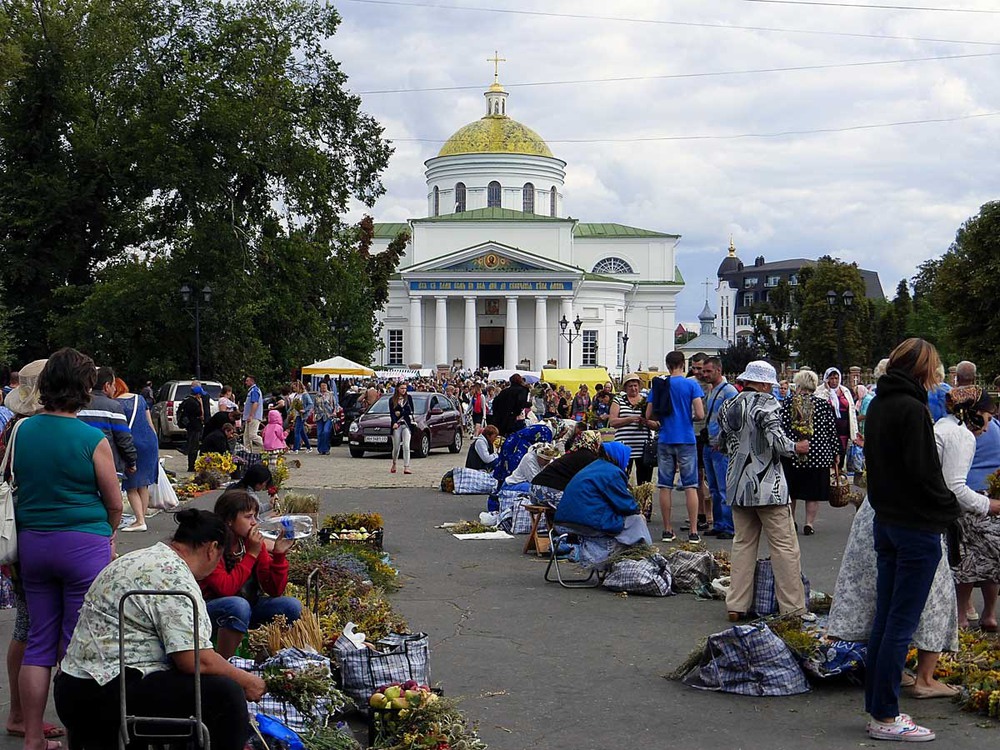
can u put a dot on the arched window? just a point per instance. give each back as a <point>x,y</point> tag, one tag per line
<point>459,197</point>
<point>612,265</point>
<point>493,195</point>
<point>553,197</point>
<point>528,198</point>
<point>437,201</point>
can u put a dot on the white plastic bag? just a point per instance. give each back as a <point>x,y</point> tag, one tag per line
<point>161,494</point>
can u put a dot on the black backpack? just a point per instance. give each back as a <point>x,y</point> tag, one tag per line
<point>183,420</point>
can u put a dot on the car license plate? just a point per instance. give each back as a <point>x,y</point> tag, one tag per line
<point>377,439</point>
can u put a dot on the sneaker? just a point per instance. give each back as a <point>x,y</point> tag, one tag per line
<point>704,526</point>
<point>667,536</point>
<point>725,535</point>
<point>694,539</point>
<point>309,450</point>
<point>902,729</point>
<point>710,532</point>
<point>686,526</point>
<point>807,617</point>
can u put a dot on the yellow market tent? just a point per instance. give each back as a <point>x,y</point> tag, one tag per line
<point>573,378</point>
<point>337,366</point>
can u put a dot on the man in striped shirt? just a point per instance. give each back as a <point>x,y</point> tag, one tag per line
<point>107,415</point>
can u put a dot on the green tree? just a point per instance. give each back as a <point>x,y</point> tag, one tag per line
<point>774,324</point>
<point>204,141</point>
<point>955,303</point>
<point>819,340</point>
<point>736,357</point>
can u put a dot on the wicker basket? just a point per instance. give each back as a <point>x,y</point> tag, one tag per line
<point>840,490</point>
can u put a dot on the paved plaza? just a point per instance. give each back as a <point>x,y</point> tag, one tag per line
<point>543,667</point>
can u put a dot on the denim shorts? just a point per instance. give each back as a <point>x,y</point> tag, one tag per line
<point>675,457</point>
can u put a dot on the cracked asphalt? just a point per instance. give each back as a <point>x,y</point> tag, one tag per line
<point>543,667</point>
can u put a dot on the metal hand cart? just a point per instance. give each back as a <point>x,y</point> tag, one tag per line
<point>195,732</point>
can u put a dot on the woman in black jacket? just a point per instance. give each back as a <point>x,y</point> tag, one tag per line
<point>401,421</point>
<point>913,508</point>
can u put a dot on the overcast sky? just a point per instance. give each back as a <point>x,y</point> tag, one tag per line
<point>887,198</point>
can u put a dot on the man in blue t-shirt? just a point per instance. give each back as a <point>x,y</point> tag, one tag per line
<point>674,403</point>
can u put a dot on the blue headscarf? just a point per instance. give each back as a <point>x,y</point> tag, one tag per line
<point>619,453</point>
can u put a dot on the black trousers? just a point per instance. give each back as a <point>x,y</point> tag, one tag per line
<point>92,716</point>
<point>193,442</point>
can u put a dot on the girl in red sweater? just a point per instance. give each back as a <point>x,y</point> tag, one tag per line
<point>245,590</point>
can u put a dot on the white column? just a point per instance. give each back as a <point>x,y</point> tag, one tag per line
<point>416,332</point>
<point>510,354</point>
<point>541,333</point>
<point>470,357</point>
<point>441,331</point>
<point>565,311</point>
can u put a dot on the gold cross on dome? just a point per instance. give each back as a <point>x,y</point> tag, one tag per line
<point>496,60</point>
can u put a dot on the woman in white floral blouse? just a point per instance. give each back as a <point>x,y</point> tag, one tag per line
<point>159,645</point>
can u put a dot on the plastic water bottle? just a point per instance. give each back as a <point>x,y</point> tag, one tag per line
<point>286,527</point>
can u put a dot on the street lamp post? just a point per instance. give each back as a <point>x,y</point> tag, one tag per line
<point>198,298</point>
<point>624,349</point>
<point>340,330</point>
<point>569,335</point>
<point>841,305</point>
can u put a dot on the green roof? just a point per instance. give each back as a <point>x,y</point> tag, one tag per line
<point>389,231</point>
<point>584,230</point>
<point>493,214</point>
<point>678,279</point>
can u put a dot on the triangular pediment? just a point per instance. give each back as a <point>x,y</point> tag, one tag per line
<point>492,257</point>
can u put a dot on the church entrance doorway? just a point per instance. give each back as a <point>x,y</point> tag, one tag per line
<point>491,346</point>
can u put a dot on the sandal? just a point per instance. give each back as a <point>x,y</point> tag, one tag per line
<point>51,731</point>
<point>392,469</point>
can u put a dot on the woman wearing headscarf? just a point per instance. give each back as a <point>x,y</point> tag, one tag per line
<point>598,505</point>
<point>845,416</point>
<point>803,416</point>
<point>970,410</point>
<point>913,508</point>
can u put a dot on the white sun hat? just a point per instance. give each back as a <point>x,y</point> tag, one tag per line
<point>759,371</point>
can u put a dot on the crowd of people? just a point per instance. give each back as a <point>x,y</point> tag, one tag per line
<point>77,442</point>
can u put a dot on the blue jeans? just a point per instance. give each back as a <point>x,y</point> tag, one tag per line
<point>235,612</point>
<point>300,434</point>
<point>674,457</point>
<point>716,465</point>
<point>907,561</point>
<point>323,431</point>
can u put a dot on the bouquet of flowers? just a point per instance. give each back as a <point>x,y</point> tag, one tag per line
<point>993,485</point>
<point>802,420</point>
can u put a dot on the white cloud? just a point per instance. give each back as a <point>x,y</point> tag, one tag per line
<point>888,198</point>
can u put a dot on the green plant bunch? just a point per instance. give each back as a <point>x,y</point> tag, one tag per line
<point>338,521</point>
<point>371,611</point>
<point>292,502</point>
<point>434,726</point>
<point>337,737</point>
<point>303,688</point>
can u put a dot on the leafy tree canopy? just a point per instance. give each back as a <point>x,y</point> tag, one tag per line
<point>819,341</point>
<point>149,143</point>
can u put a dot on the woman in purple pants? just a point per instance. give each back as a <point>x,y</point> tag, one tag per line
<point>69,503</point>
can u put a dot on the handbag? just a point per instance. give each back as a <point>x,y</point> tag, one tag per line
<point>8,489</point>
<point>404,657</point>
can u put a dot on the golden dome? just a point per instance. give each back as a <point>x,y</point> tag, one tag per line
<point>495,134</point>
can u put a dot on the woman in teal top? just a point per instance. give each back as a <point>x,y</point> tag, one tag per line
<point>69,502</point>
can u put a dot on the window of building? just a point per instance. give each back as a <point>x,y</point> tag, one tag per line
<point>772,281</point>
<point>750,282</point>
<point>437,201</point>
<point>493,195</point>
<point>459,197</point>
<point>765,296</point>
<point>590,347</point>
<point>743,320</point>
<point>395,346</point>
<point>553,198</point>
<point>793,280</point>
<point>748,299</point>
<point>528,198</point>
<point>620,359</point>
<point>612,265</point>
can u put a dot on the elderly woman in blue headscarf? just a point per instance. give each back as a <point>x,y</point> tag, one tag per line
<point>598,506</point>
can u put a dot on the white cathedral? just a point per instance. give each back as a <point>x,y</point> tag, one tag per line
<point>497,271</point>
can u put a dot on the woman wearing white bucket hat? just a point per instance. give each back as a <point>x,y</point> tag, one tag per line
<point>758,493</point>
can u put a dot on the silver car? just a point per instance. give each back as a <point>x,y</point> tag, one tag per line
<point>168,399</point>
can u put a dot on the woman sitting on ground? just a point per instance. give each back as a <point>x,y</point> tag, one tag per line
<point>245,589</point>
<point>158,647</point>
<point>598,506</point>
<point>482,453</point>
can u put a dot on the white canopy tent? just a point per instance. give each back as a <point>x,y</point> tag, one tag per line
<point>337,366</point>
<point>504,375</point>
